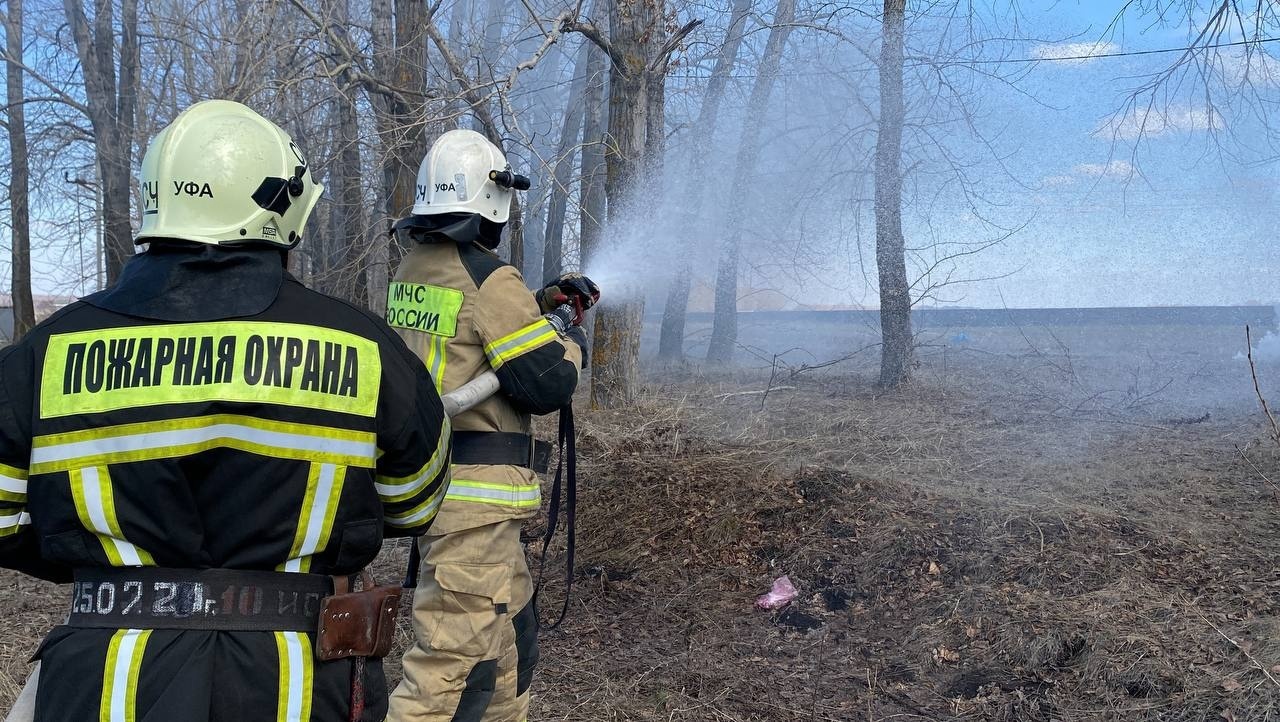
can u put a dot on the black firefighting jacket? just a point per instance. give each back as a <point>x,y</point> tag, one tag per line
<point>210,412</point>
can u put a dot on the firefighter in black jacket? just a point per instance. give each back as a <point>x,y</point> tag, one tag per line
<point>201,446</point>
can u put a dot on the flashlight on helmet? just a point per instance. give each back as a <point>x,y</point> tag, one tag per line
<point>507,179</point>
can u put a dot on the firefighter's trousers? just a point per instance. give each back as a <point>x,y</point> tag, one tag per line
<point>475,628</point>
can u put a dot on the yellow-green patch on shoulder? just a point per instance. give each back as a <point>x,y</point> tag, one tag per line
<point>425,308</point>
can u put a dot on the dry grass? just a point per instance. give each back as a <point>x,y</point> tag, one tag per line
<point>959,556</point>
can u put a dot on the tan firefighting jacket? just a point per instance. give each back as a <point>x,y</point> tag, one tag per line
<point>463,311</point>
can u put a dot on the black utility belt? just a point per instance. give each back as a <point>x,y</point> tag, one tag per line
<point>501,448</point>
<point>228,600</point>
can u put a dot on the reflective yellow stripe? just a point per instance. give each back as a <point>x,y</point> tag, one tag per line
<point>241,361</point>
<point>394,489</point>
<point>425,308</point>
<point>436,359</point>
<point>520,496</point>
<point>95,502</point>
<point>535,335</point>
<point>296,672</point>
<point>420,514</point>
<point>13,484</point>
<point>120,675</point>
<point>12,522</point>
<point>184,437</point>
<point>315,520</point>
<point>442,362</point>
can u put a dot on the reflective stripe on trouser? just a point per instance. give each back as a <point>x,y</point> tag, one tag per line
<point>120,675</point>
<point>167,675</point>
<point>465,664</point>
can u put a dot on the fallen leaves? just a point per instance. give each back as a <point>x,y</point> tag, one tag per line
<point>945,655</point>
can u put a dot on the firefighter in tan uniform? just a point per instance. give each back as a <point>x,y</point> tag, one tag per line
<point>465,312</point>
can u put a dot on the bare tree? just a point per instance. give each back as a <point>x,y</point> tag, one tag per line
<point>897,346</point>
<point>639,59</point>
<point>1223,80</point>
<point>562,164</point>
<point>724,332</point>
<point>19,178</point>
<point>400,54</point>
<point>674,313</point>
<point>591,191</point>
<point>350,227</point>
<point>480,107</point>
<point>111,96</point>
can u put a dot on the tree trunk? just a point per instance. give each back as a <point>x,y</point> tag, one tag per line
<point>674,313</point>
<point>411,73</point>
<point>724,331</point>
<point>24,316</point>
<point>111,100</point>
<point>348,195</point>
<point>592,198</point>
<point>542,109</point>
<point>400,53</point>
<point>562,173</point>
<point>897,346</point>
<point>616,349</point>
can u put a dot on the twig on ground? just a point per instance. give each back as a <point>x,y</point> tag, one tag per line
<point>1252,660</point>
<point>811,367</point>
<point>1275,489</point>
<point>722,397</point>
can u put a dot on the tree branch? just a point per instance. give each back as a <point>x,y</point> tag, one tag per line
<point>479,104</point>
<point>591,32</point>
<point>365,80</point>
<point>663,58</point>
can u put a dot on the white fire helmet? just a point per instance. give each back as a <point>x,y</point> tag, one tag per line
<point>465,173</point>
<point>222,174</point>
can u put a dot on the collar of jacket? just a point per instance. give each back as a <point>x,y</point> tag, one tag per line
<point>186,283</point>
<point>462,228</point>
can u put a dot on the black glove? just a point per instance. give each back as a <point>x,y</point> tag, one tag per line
<point>561,318</point>
<point>574,289</point>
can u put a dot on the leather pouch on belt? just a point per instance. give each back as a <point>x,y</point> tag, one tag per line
<point>357,624</point>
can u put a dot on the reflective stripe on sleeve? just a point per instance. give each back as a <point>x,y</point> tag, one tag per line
<point>184,437</point>
<point>520,496</point>
<point>12,523</point>
<point>436,360</point>
<point>315,520</point>
<point>420,514</point>
<point>94,498</point>
<point>13,484</point>
<point>296,672</point>
<point>393,489</point>
<point>120,675</point>
<point>511,346</point>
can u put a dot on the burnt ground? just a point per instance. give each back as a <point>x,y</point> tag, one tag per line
<point>974,550</point>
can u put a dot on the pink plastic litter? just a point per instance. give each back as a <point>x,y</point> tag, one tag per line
<point>783,591</point>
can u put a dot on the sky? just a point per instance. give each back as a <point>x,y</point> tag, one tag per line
<point>1174,223</point>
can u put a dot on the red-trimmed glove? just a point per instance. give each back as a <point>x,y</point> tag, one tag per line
<point>573,289</point>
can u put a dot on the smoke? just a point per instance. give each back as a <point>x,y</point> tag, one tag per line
<point>1265,349</point>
